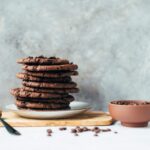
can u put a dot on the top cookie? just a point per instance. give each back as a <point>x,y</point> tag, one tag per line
<point>41,60</point>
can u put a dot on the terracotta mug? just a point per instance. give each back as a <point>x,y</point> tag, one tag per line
<point>130,115</point>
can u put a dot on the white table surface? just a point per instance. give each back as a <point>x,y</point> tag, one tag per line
<point>35,138</point>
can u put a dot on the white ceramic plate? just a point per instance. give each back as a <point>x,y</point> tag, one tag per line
<point>76,108</point>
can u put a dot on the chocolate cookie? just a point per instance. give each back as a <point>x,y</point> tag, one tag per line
<point>41,60</point>
<point>19,92</point>
<point>50,85</point>
<point>35,105</point>
<point>43,109</point>
<point>52,74</point>
<point>37,68</point>
<point>27,77</point>
<point>46,90</point>
<point>65,100</point>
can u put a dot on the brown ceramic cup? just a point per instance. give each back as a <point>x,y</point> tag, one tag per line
<point>130,115</point>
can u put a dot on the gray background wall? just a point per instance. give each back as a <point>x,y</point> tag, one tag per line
<point>108,39</point>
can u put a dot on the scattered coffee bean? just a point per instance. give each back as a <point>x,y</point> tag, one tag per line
<point>62,128</point>
<point>76,134</point>
<point>94,129</point>
<point>49,131</point>
<point>97,131</point>
<point>106,130</point>
<point>95,134</point>
<point>49,134</point>
<point>85,129</point>
<point>79,130</point>
<point>73,131</point>
<point>109,129</point>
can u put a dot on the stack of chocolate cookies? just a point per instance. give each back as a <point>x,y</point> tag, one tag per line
<point>46,83</point>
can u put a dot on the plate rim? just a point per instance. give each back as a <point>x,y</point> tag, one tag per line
<point>16,109</point>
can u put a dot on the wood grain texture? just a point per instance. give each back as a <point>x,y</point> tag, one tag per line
<point>96,118</point>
